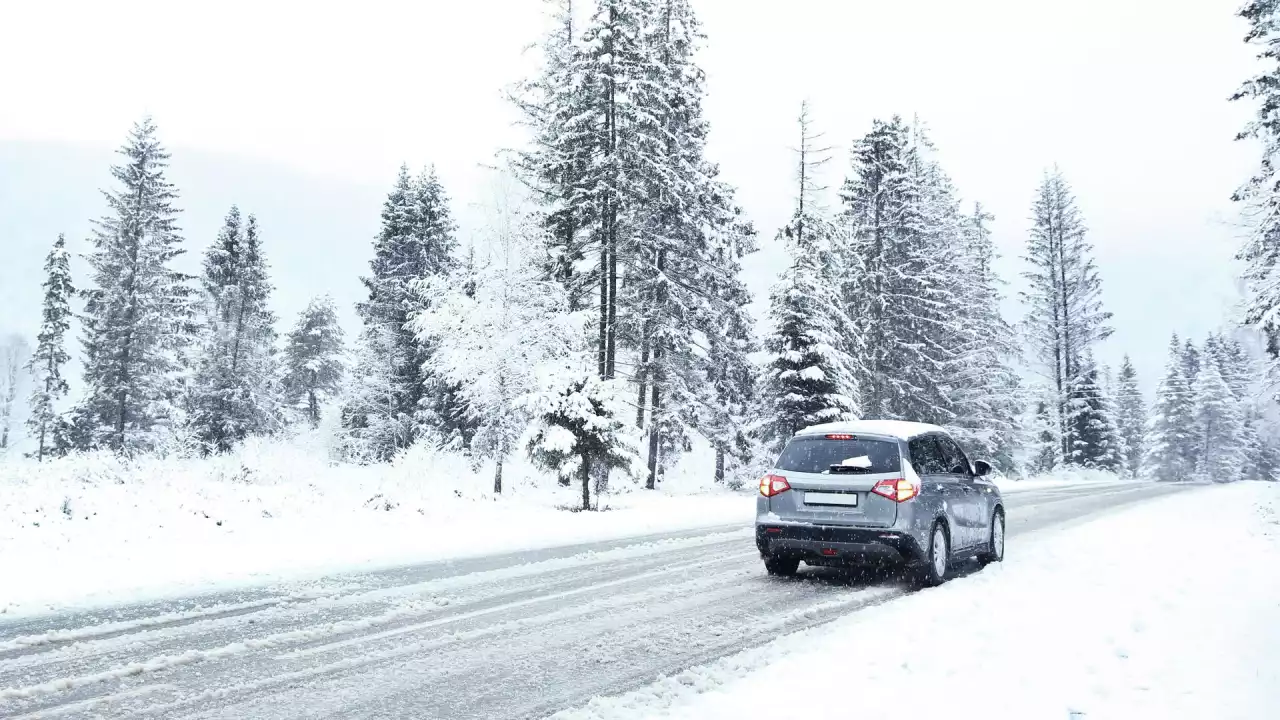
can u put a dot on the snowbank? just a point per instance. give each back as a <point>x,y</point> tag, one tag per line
<point>94,529</point>
<point>1123,617</point>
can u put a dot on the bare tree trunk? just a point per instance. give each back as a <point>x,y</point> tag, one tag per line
<point>654,428</point>
<point>497,478</point>
<point>642,370</point>
<point>585,471</point>
<point>720,465</point>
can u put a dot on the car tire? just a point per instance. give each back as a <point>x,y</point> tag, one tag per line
<point>782,567</point>
<point>937,558</point>
<point>995,542</point>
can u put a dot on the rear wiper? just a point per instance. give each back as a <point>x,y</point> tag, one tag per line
<point>852,469</point>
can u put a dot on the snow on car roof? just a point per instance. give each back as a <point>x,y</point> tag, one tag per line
<point>900,429</point>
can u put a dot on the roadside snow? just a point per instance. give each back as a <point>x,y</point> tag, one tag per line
<point>94,530</point>
<point>1169,609</point>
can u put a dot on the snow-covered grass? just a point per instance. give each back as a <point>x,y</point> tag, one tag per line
<point>94,529</point>
<point>1163,610</point>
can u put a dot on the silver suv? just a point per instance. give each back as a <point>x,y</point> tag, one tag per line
<point>874,492</point>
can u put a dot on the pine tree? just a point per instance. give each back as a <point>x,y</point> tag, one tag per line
<point>45,365</point>
<point>14,354</point>
<point>905,262</point>
<point>394,401</point>
<point>1190,362</point>
<point>313,368</point>
<point>1171,448</point>
<point>578,424</point>
<point>986,389</point>
<point>1065,316</point>
<point>1218,428</point>
<point>810,375</point>
<point>138,310</point>
<point>1260,195</point>
<point>234,393</point>
<point>1097,441</point>
<point>1131,416</point>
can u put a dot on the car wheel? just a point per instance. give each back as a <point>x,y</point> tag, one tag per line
<point>995,543</point>
<point>937,560</point>
<point>784,567</point>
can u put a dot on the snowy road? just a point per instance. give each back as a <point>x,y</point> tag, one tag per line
<point>513,636</point>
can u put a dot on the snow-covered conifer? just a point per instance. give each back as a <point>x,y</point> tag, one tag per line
<point>1218,428</point>
<point>391,406</point>
<point>579,422</point>
<point>1131,416</point>
<point>234,392</point>
<point>138,317</point>
<point>1065,316</point>
<point>1170,450</point>
<point>313,368</point>
<point>48,384</point>
<point>1096,439</point>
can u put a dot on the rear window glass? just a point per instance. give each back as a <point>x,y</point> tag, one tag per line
<point>817,454</point>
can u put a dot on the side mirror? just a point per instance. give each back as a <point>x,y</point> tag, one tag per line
<point>981,467</point>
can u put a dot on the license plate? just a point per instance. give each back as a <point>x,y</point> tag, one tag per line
<point>826,498</point>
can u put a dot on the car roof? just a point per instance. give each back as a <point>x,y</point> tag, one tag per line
<point>899,429</point>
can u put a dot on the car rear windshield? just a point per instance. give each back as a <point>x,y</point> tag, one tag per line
<point>818,454</point>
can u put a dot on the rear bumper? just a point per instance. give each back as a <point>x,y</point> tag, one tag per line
<point>834,545</point>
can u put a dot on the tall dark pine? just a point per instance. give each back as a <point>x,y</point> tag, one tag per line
<point>48,384</point>
<point>138,312</point>
<point>234,393</point>
<point>313,359</point>
<point>394,399</point>
<point>1065,316</point>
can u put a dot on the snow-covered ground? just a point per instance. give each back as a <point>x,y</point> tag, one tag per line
<point>93,529</point>
<point>1166,609</point>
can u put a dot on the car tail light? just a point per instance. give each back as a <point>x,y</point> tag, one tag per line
<point>771,485</point>
<point>839,436</point>
<point>899,490</point>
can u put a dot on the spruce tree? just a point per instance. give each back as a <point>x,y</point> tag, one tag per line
<point>1065,316</point>
<point>234,393</point>
<point>392,405</point>
<point>1096,440</point>
<point>1131,416</point>
<point>987,390</point>
<point>1190,362</point>
<point>138,317</point>
<point>809,378</point>
<point>313,368</point>
<point>1218,428</point>
<point>810,375</point>
<point>49,386</point>
<point>907,262</point>
<point>1170,445</point>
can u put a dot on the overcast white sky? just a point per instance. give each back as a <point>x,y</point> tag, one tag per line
<point>1128,97</point>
